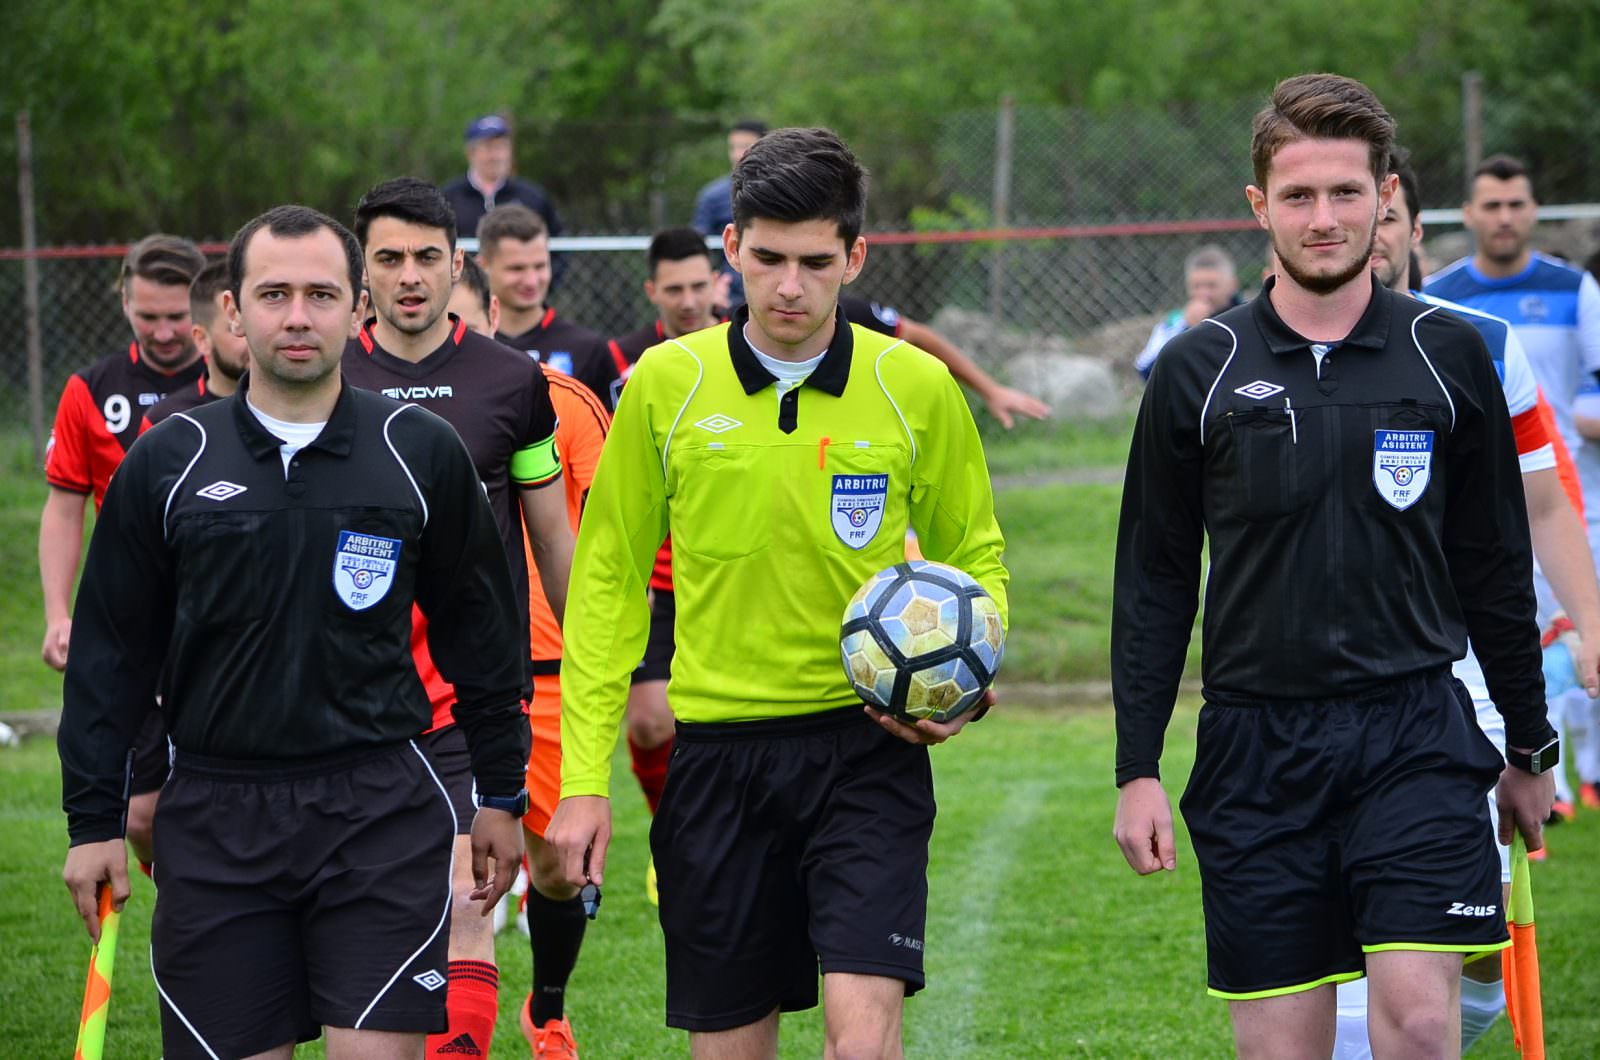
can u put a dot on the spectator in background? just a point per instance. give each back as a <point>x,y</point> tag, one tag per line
<point>713,209</point>
<point>489,183</point>
<point>1212,285</point>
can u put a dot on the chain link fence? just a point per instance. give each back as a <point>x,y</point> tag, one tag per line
<point>1036,227</point>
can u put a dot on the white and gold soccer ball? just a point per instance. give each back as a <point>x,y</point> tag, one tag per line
<point>921,640</point>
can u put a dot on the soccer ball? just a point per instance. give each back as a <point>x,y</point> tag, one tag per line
<point>921,640</point>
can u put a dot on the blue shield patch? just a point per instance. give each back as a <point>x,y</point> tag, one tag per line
<point>1402,463</point>
<point>560,360</point>
<point>857,506</point>
<point>363,568</point>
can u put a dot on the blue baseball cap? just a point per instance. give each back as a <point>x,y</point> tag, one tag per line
<point>487,127</point>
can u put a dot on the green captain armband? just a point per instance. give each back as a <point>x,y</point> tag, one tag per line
<point>536,464</point>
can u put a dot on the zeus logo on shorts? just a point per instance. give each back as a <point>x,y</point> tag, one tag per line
<point>1401,465</point>
<point>1458,909</point>
<point>363,568</point>
<point>857,505</point>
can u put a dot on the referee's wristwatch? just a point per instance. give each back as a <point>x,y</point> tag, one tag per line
<point>516,805</point>
<point>1541,760</point>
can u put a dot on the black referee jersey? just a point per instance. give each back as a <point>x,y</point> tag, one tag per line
<point>1365,512</point>
<point>279,601</point>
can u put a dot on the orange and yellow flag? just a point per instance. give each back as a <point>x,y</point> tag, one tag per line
<point>97,991</point>
<point>1521,961</point>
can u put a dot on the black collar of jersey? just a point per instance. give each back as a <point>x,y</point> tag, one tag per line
<point>435,360</point>
<point>336,438</point>
<point>1371,331</point>
<point>830,375</point>
<point>515,341</point>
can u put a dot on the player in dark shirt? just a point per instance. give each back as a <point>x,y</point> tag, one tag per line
<point>514,249</point>
<point>498,402</point>
<point>225,353</point>
<point>97,419</point>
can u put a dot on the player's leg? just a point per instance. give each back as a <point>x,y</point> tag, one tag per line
<point>753,1041</point>
<point>1262,806</point>
<point>472,994</point>
<point>556,921</point>
<point>282,1052</point>
<point>347,1044</point>
<point>1414,1005</point>
<point>378,841</point>
<point>863,1016</point>
<point>868,814</point>
<point>1424,875</point>
<point>1482,994</point>
<point>1285,1026</point>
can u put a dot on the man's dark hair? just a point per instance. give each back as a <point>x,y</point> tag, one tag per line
<point>1321,107</point>
<point>676,244</point>
<point>1501,167</point>
<point>474,279</point>
<point>1400,166</point>
<point>212,281</point>
<point>794,175</point>
<point>511,221</point>
<point>293,222</point>
<point>408,199</point>
<point>171,261</point>
<point>750,125</point>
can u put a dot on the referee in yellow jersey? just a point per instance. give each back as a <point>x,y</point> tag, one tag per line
<point>793,832</point>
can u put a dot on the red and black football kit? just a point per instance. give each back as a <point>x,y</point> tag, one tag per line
<point>499,404</point>
<point>98,417</point>
<point>180,400</point>
<point>874,316</point>
<point>572,350</point>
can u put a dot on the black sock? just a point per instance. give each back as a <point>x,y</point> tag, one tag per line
<point>556,933</point>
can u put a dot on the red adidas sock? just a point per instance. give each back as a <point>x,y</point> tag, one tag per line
<point>650,766</point>
<point>472,999</point>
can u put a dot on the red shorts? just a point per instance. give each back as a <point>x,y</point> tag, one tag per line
<point>544,761</point>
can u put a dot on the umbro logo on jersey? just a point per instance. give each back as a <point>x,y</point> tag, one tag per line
<point>429,980</point>
<point>417,393</point>
<point>1259,390</point>
<point>220,490</point>
<point>718,423</point>
<point>461,1044</point>
<point>1458,909</point>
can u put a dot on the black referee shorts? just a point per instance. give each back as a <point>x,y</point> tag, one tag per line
<point>446,748</point>
<point>657,662</point>
<point>152,757</point>
<point>1330,829</point>
<point>785,845</point>
<point>298,896</point>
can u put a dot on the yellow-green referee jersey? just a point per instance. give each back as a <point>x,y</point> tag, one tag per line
<point>779,509</point>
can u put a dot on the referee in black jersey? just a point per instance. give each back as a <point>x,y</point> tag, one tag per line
<point>1349,454</point>
<point>258,558</point>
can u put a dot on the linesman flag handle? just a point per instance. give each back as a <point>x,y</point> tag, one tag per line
<point>97,991</point>
<point>1521,961</point>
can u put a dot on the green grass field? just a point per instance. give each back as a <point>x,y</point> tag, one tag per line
<point>1041,943</point>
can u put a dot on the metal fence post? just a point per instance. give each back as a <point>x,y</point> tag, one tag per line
<point>1004,140</point>
<point>30,285</point>
<point>1471,121</point>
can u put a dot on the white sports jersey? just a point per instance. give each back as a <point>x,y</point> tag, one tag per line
<point>1587,403</point>
<point>1534,450</point>
<point>1555,310</point>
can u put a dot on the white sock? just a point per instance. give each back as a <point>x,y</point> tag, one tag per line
<point>1350,1032</point>
<point>1558,722</point>
<point>1481,1005</point>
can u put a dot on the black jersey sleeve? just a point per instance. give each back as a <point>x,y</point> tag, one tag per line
<point>121,625</point>
<point>1157,576</point>
<point>1486,537</point>
<point>537,460</point>
<point>464,589</point>
<point>597,370</point>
